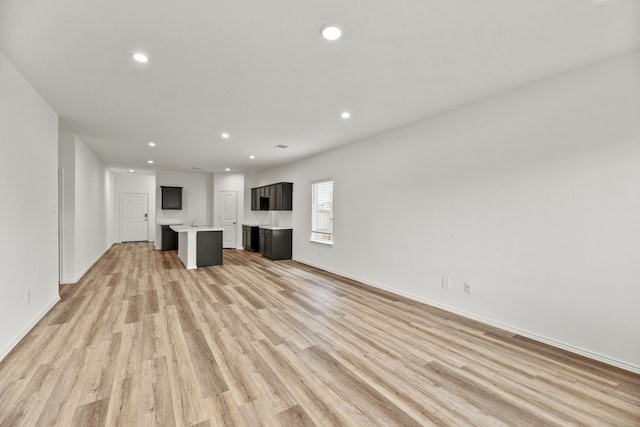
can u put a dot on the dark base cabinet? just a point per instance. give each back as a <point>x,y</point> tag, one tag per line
<point>251,238</point>
<point>276,244</point>
<point>208,248</point>
<point>169,239</point>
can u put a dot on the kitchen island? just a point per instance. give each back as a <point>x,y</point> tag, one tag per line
<point>199,246</point>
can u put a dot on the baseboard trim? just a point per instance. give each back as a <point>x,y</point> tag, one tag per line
<point>542,339</point>
<point>28,329</point>
<point>79,276</point>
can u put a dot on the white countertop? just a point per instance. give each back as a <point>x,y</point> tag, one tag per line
<point>275,227</point>
<point>251,225</point>
<point>187,228</point>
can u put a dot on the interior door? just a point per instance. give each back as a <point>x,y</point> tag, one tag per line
<point>229,219</point>
<point>134,213</point>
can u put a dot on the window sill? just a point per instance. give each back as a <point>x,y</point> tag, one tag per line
<point>322,242</point>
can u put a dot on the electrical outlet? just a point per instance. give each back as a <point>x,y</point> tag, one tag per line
<point>28,297</point>
<point>446,283</point>
<point>467,288</point>
<point>321,252</point>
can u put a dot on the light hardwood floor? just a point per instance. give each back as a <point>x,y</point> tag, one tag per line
<point>140,341</point>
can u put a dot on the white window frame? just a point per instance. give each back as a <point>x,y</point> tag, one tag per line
<point>317,235</point>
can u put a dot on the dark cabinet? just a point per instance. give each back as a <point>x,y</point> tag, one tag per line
<point>276,244</point>
<point>274,197</point>
<point>255,199</point>
<point>262,242</point>
<point>208,248</point>
<point>251,238</point>
<point>265,201</point>
<point>169,240</point>
<point>284,196</point>
<point>267,249</point>
<point>171,198</point>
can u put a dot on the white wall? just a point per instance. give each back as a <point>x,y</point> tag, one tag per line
<point>28,191</point>
<point>229,181</point>
<point>92,230</point>
<point>109,201</point>
<point>133,183</point>
<point>67,164</point>
<point>532,196</point>
<point>87,196</point>
<point>196,199</point>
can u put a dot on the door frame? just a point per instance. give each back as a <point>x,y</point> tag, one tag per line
<point>122,194</point>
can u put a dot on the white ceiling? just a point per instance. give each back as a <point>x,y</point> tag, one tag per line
<point>260,70</point>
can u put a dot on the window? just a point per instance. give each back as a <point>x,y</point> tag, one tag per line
<point>322,212</point>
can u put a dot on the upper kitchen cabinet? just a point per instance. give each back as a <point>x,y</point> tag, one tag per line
<point>255,200</point>
<point>265,198</point>
<point>171,198</point>
<point>274,197</point>
<point>283,196</point>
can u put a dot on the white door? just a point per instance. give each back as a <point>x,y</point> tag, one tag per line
<point>229,219</point>
<point>134,216</point>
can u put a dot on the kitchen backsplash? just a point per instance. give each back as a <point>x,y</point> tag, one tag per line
<point>277,218</point>
<point>282,218</point>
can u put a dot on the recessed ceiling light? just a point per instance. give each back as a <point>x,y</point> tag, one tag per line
<point>345,115</point>
<point>132,171</point>
<point>331,32</point>
<point>152,144</point>
<point>150,162</point>
<point>252,157</point>
<point>225,135</point>
<point>140,57</point>
<point>227,169</point>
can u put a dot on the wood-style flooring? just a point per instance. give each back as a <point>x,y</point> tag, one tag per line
<point>140,341</point>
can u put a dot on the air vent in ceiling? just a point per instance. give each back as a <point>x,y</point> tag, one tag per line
<point>280,146</point>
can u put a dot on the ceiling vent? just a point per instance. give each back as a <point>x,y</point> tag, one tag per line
<point>280,146</point>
